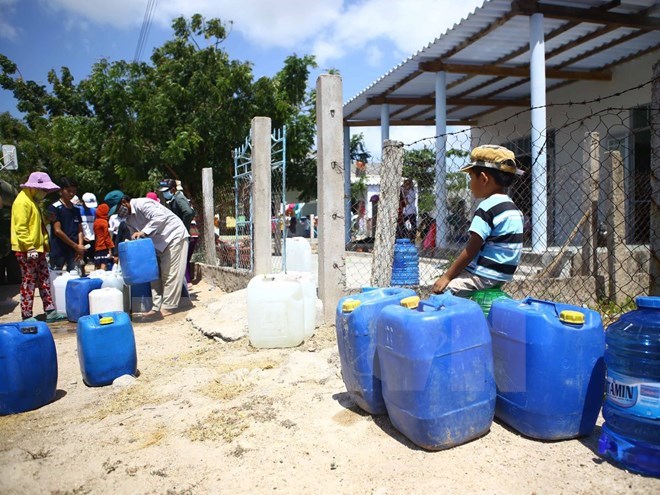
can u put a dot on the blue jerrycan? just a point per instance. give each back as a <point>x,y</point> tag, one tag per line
<point>138,261</point>
<point>356,338</point>
<point>549,367</point>
<point>28,366</point>
<point>77,296</point>
<point>436,367</point>
<point>106,348</point>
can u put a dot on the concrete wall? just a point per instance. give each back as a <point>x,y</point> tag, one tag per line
<point>569,180</point>
<point>225,278</point>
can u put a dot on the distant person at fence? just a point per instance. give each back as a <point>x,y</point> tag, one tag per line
<point>493,250</point>
<point>180,205</point>
<point>409,196</point>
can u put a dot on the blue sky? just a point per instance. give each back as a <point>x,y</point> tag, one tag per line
<point>363,39</point>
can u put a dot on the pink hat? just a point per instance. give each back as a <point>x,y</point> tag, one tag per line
<point>154,196</point>
<point>41,180</point>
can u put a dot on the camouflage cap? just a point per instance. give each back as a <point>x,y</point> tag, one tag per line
<point>495,157</point>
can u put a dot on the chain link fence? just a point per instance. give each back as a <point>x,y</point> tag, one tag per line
<point>587,218</point>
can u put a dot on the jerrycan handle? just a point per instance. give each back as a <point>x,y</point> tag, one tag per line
<point>530,300</point>
<point>563,312</point>
<point>435,302</point>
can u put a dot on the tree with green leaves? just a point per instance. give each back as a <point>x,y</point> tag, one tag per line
<point>129,124</point>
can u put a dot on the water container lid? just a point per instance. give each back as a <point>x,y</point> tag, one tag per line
<point>410,302</point>
<point>350,304</point>
<point>106,320</point>
<point>648,302</point>
<point>572,317</point>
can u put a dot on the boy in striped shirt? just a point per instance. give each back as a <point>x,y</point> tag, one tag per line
<point>492,252</point>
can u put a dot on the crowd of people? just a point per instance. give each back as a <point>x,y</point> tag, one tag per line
<point>72,234</point>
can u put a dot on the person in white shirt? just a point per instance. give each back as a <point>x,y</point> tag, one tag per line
<point>409,210</point>
<point>147,218</point>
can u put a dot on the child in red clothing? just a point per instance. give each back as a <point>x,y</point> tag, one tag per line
<point>104,244</point>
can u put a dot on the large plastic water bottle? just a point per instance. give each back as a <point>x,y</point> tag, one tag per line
<point>631,433</point>
<point>405,265</point>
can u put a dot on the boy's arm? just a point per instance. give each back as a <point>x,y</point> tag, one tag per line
<point>468,253</point>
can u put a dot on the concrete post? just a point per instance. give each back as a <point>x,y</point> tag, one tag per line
<point>591,164</point>
<point>261,196</point>
<point>330,171</point>
<point>388,209</point>
<point>617,253</point>
<point>654,269</point>
<point>209,228</point>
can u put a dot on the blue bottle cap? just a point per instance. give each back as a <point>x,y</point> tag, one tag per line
<point>648,302</point>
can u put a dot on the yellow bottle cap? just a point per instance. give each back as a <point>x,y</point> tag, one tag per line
<point>410,302</point>
<point>349,305</point>
<point>572,317</point>
<point>106,320</point>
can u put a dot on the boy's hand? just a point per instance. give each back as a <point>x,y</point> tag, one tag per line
<point>440,285</point>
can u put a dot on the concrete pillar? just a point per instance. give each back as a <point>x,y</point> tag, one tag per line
<point>538,134</point>
<point>347,184</point>
<point>617,253</point>
<point>384,122</point>
<point>209,228</point>
<point>330,171</point>
<point>591,164</point>
<point>388,209</point>
<point>440,186</point>
<point>654,269</point>
<point>261,195</point>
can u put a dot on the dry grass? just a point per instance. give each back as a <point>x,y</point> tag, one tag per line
<point>229,424</point>
<point>219,391</point>
<point>128,400</point>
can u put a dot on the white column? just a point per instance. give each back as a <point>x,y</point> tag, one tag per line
<point>441,233</point>
<point>384,123</point>
<point>347,184</point>
<point>538,134</point>
<point>261,196</point>
<point>209,228</point>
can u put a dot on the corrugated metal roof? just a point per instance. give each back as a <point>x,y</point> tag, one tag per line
<point>583,36</point>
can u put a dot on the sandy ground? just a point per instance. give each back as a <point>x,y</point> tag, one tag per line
<point>208,416</point>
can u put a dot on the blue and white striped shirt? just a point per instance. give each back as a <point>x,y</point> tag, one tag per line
<point>499,222</point>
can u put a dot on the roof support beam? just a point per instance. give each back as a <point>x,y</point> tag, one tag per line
<point>430,100</point>
<point>526,7</point>
<point>399,122</point>
<point>498,70</point>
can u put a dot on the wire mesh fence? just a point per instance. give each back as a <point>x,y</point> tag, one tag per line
<point>587,216</point>
<point>278,199</point>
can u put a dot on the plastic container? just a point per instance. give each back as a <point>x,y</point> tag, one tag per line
<point>549,367</point>
<point>28,366</point>
<point>105,300</point>
<point>276,312</point>
<point>141,298</point>
<point>298,255</point>
<point>77,296</point>
<point>110,279</point>
<point>485,298</point>
<point>59,289</point>
<point>631,433</point>
<point>106,348</point>
<point>138,261</point>
<point>52,275</point>
<point>437,370</point>
<point>405,266</point>
<point>309,298</point>
<point>356,339</point>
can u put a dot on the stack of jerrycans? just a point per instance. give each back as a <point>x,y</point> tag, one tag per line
<point>356,338</point>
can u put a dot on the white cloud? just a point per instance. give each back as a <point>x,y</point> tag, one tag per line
<point>7,30</point>
<point>328,28</point>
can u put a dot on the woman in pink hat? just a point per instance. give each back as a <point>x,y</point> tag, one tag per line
<point>29,241</point>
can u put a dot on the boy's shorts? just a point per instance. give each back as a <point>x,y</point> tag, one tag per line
<point>466,282</point>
